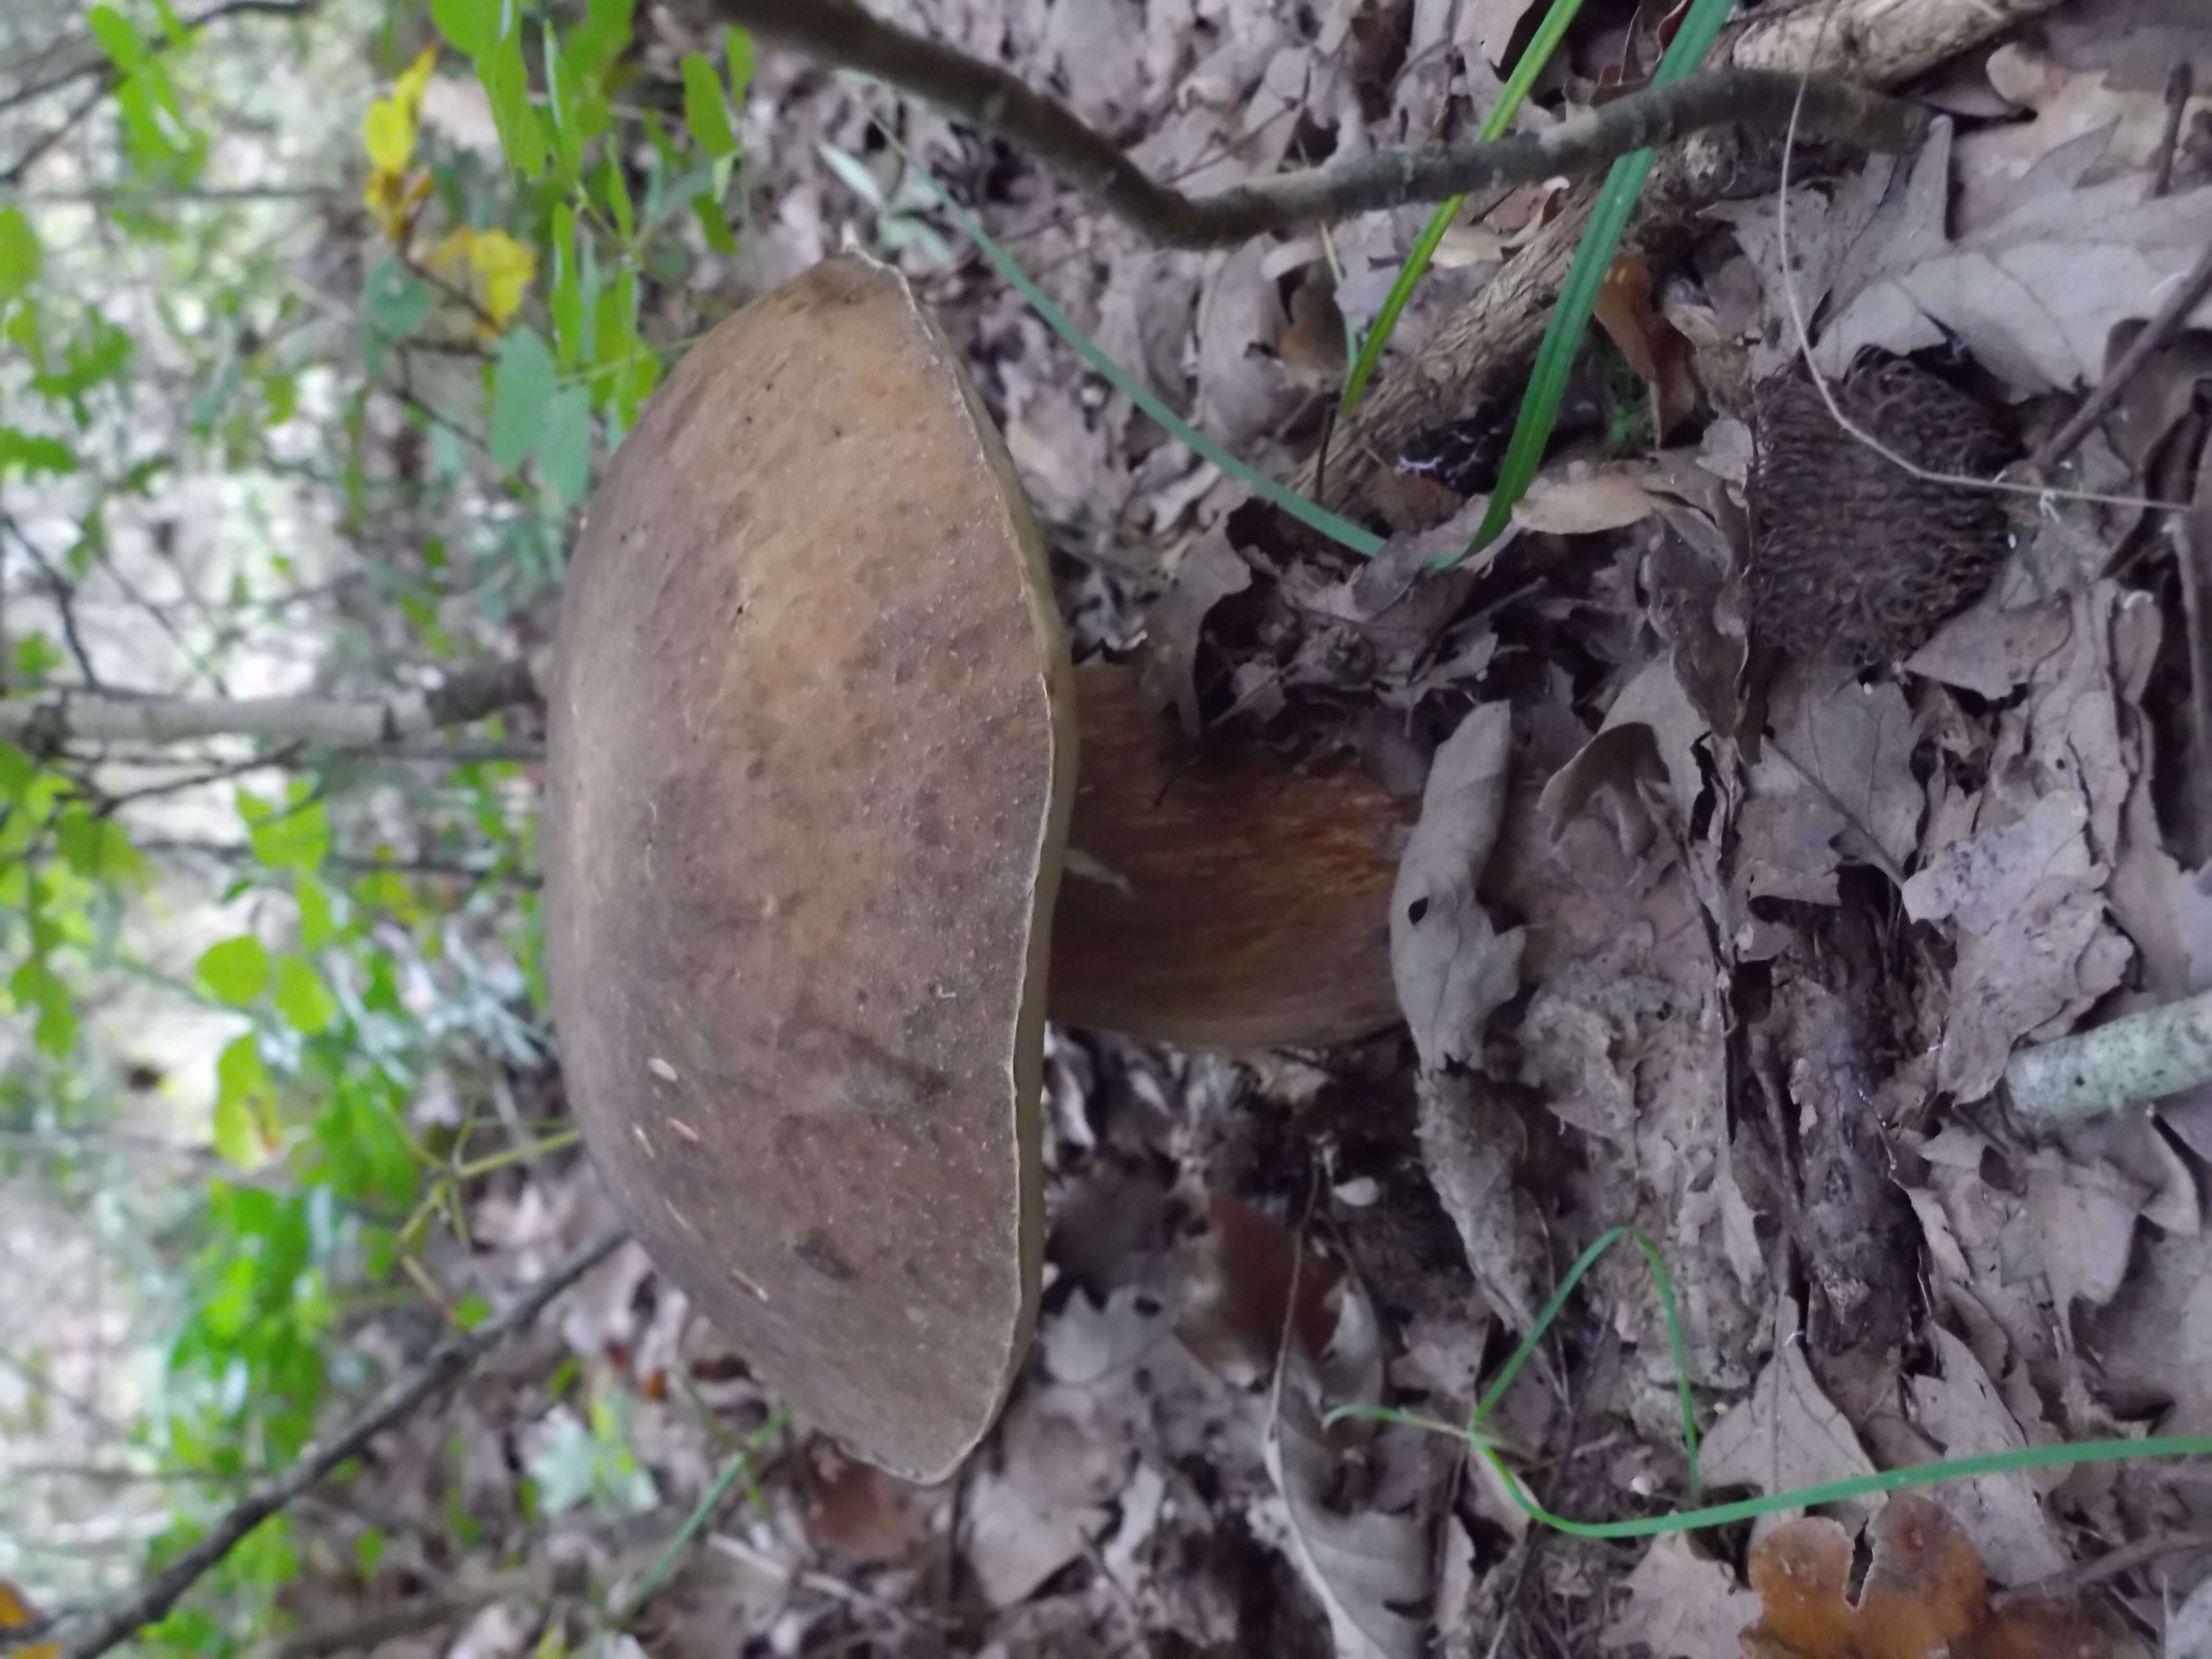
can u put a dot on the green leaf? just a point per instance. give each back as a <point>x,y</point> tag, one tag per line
<point>97,848</point>
<point>307,1006</point>
<point>319,923</point>
<point>36,985</point>
<point>471,1311</point>
<point>393,300</point>
<point>237,970</point>
<point>471,26</point>
<point>523,381</point>
<point>119,38</point>
<point>295,836</point>
<point>738,60</point>
<point>19,253</point>
<point>17,771</point>
<point>707,209</point>
<point>34,455</point>
<point>564,445</point>
<point>521,129</point>
<point>566,301</point>
<point>246,1100</point>
<point>704,111</point>
<point>614,191</point>
<point>595,42</point>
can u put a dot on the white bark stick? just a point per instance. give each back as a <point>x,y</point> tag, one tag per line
<point>2140,1057</point>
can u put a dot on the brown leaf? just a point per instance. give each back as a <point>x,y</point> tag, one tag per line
<point>1654,347</point>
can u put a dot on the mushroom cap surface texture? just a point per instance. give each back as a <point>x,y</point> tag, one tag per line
<point>812,754</point>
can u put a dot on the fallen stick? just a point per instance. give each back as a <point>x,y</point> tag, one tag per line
<point>2128,1060</point>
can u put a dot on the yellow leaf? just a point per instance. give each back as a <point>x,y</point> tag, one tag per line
<point>408,89</point>
<point>388,133</point>
<point>388,130</point>
<point>15,1614</point>
<point>493,267</point>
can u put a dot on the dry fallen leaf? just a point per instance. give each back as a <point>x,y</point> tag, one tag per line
<point>1787,1435</point>
<point>2003,1514</point>
<point>1680,1606</point>
<point>1579,499</point>
<point>1371,1567</point>
<point>2069,105</point>
<point>1452,966</point>
<point>2034,294</point>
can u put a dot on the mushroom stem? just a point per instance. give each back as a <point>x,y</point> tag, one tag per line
<point>1219,901</point>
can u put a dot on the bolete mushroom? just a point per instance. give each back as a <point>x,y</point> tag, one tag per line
<point>812,768</point>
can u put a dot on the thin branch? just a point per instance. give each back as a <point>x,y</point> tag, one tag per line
<point>93,1632</point>
<point>2155,333</point>
<point>90,59</point>
<point>386,724</point>
<point>78,113</point>
<point>844,36</point>
<point>239,852</point>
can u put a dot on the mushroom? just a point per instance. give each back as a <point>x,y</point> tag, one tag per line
<point>812,775</point>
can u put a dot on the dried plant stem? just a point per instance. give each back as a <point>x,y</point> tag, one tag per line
<point>844,35</point>
<point>2134,1059</point>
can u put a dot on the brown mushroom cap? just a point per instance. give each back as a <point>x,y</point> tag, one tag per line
<point>810,763</point>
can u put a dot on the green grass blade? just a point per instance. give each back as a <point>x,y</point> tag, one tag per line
<point>1563,336</point>
<point>1337,528</point>
<point>1719,1515</point>
<point>1541,47</point>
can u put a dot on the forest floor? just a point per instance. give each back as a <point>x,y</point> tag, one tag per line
<point>1772,920</point>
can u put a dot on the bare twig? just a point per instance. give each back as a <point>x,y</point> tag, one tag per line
<point>2128,1558</point>
<point>846,36</point>
<point>78,113</point>
<point>86,1634</point>
<point>2179,84</point>
<point>2155,333</point>
<point>88,58</point>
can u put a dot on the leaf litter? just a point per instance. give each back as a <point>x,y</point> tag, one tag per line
<point>1731,949</point>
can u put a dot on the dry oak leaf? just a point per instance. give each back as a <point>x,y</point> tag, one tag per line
<point>2033,295</point>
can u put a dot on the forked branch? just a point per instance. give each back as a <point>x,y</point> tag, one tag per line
<point>843,35</point>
